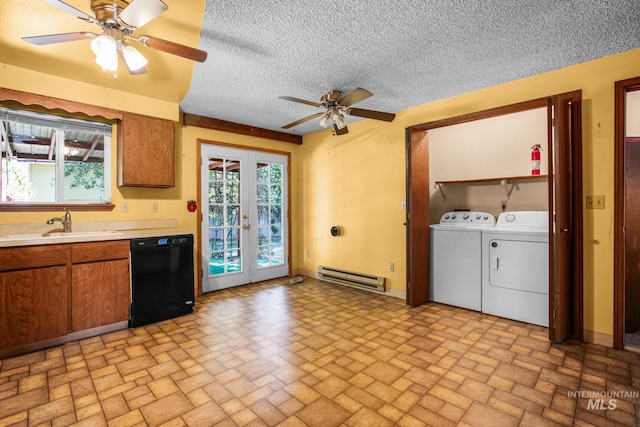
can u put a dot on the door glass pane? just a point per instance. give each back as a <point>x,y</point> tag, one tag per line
<point>269,199</point>
<point>216,217</point>
<point>225,245</point>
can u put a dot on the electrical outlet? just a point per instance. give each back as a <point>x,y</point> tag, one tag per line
<point>154,207</point>
<point>391,267</point>
<point>124,207</point>
<point>595,202</point>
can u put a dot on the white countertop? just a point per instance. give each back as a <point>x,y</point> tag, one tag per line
<point>88,232</point>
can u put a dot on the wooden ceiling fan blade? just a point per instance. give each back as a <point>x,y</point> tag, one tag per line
<point>140,12</point>
<point>354,96</point>
<point>302,101</point>
<point>72,10</point>
<point>370,114</point>
<point>173,48</point>
<point>59,38</point>
<point>298,122</point>
<point>340,131</point>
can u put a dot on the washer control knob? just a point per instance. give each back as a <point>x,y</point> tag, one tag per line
<point>486,217</point>
<point>494,244</point>
<point>446,216</point>
<point>465,216</point>
<point>510,218</point>
<point>478,216</point>
<point>453,216</point>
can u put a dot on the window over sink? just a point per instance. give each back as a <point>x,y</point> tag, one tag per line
<point>51,159</point>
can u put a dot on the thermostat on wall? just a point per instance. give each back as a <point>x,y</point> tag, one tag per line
<point>335,230</point>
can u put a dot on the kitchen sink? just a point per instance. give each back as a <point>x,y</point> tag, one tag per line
<point>58,234</point>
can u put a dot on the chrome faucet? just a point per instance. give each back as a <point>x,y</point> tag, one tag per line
<point>66,222</point>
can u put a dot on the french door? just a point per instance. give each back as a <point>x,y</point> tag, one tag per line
<point>245,219</point>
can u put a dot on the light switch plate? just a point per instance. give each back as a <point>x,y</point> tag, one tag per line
<point>595,202</point>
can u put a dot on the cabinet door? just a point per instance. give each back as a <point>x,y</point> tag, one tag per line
<point>33,305</point>
<point>146,151</point>
<point>99,293</point>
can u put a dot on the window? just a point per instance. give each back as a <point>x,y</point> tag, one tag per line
<point>53,159</point>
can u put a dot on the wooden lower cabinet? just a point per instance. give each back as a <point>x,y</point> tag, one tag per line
<point>99,294</point>
<point>33,305</point>
<point>99,284</point>
<point>50,291</point>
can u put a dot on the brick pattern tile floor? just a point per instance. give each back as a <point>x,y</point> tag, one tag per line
<point>317,354</point>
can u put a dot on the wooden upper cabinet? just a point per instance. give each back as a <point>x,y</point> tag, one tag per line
<point>146,152</point>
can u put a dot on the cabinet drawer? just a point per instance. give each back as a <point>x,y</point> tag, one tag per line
<point>32,257</point>
<point>99,251</point>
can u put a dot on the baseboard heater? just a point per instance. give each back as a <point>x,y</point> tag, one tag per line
<point>349,278</point>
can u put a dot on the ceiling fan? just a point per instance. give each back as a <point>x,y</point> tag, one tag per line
<point>336,104</point>
<point>118,19</point>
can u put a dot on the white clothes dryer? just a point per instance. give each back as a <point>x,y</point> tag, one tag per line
<point>515,274</point>
<point>456,258</point>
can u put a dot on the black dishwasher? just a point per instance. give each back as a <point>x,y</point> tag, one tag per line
<point>161,279</point>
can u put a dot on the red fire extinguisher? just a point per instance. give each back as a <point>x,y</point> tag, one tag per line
<point>535,159</point>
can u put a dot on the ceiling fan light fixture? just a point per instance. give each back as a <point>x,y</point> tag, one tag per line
<point>134,59</point>
<point>324,119</point>
<point>108,61</point>
<point>104,44</point>
<point>339,121</point>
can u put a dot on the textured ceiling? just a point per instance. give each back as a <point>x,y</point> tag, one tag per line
<point>406,52</point>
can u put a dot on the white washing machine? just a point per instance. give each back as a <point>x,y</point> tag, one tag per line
<point>515,273</point>
<point>456,258</point>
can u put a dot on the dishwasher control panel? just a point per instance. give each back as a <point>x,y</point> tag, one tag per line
<point>162,241</point>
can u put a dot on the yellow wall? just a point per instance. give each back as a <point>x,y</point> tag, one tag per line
<point>358,180</point>
<point>355,181</point>
<point>26,80</point>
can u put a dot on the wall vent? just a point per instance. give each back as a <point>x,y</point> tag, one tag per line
<point>349,278</point>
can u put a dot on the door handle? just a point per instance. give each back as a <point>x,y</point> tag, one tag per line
<point>246,226</point>
<point>564,230</point>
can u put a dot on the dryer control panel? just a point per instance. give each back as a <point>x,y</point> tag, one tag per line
<point>468,218</point>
